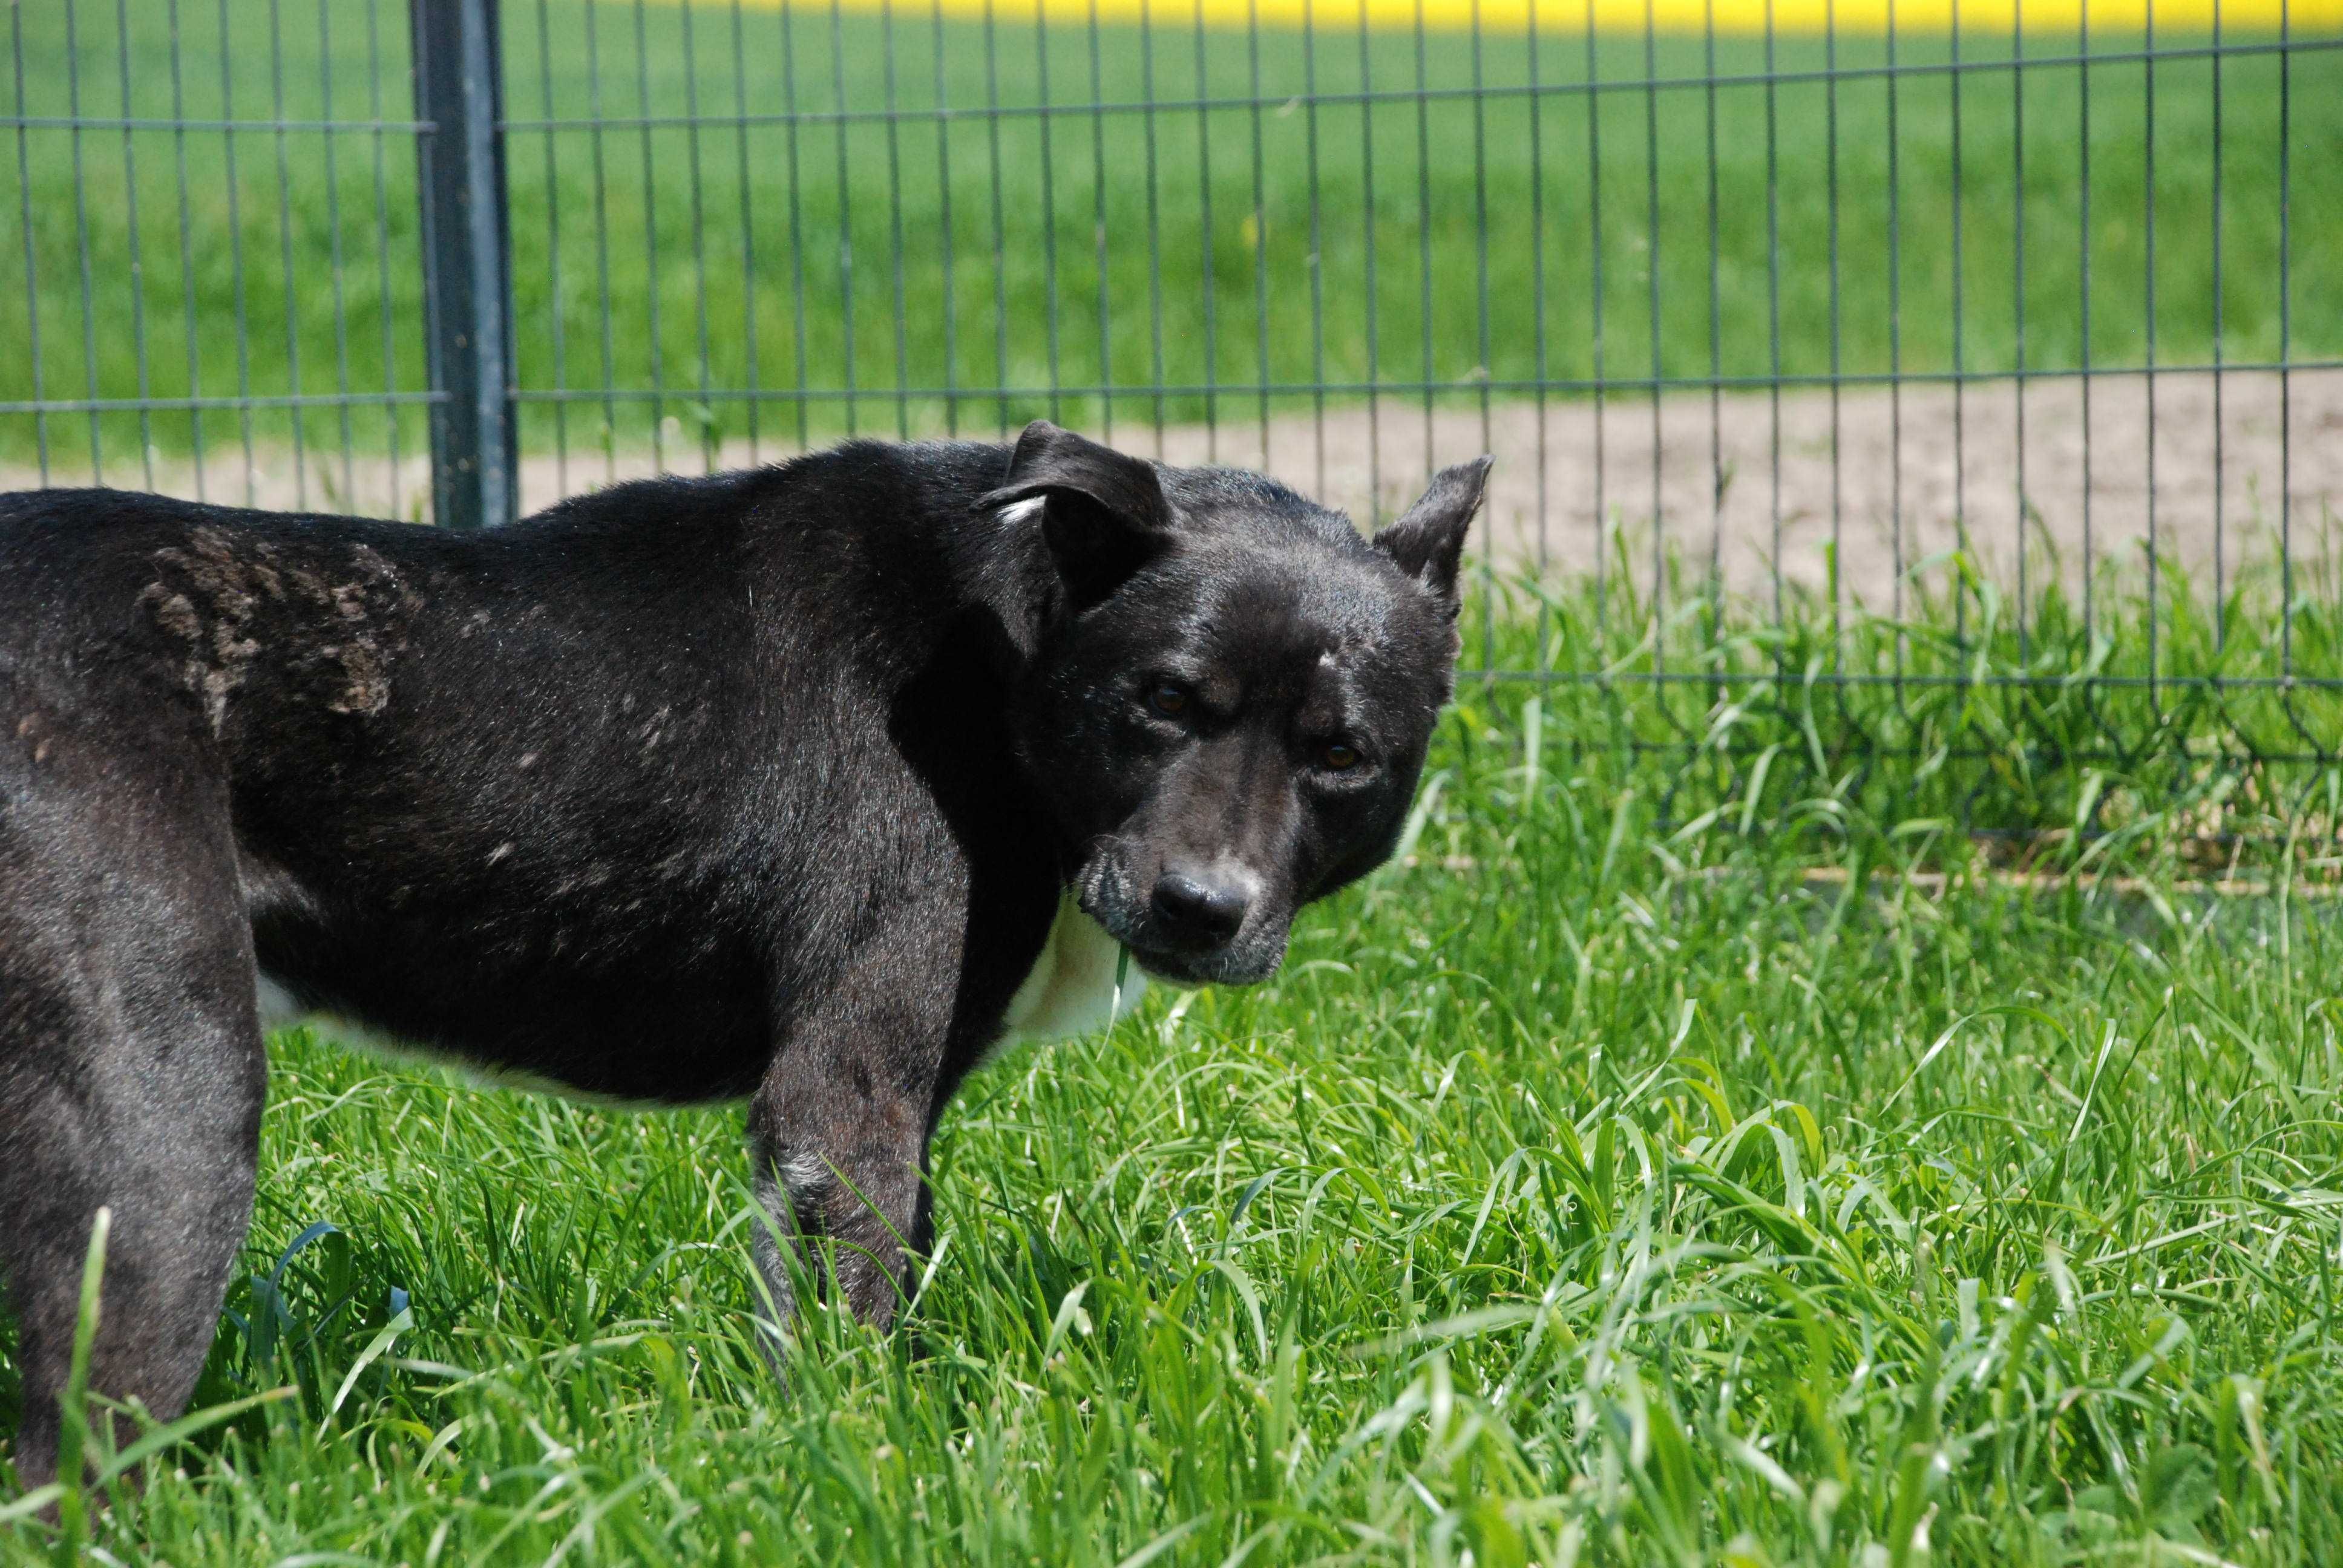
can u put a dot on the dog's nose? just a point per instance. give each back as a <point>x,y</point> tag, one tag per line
<point>1198,909</point>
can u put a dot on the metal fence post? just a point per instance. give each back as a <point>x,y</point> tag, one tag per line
<point>467,261</point>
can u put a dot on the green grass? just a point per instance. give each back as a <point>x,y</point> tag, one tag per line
<point>1601,1189</point>
<point>310,249</point>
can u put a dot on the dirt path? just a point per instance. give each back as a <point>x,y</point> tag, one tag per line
<point>1911,456</point>
<point>1719,488</point>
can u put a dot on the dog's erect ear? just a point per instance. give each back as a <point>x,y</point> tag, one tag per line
<point>1428,542</point>
<point>1104,512</point>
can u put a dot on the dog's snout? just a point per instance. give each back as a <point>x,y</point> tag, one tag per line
<point>1198,911</point>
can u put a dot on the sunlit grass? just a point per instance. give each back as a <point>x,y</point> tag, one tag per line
<point>1602,1186</point>
<point>2153,721</point>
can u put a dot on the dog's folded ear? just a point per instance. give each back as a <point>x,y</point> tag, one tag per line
<point>1103,514</point>
<point>1428,542</point>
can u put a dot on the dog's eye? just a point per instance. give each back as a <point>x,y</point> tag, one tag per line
<point>1168,699</point>
<point>1337,757</point>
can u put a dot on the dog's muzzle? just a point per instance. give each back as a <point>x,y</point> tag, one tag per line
<point>1192,925</point>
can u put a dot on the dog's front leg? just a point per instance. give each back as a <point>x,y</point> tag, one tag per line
<point>838,1129</point>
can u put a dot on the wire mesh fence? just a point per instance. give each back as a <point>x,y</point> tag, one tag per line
<point>1939,413</point>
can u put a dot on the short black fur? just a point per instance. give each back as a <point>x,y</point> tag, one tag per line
<point>768,785</point>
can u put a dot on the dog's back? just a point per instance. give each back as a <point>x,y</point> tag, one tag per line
<point>471,787</point>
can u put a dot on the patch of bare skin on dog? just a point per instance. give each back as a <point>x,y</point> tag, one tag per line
<point>227,606</point>
<point>365,654</point>
<point>29,730</point>
<point>203,597</point>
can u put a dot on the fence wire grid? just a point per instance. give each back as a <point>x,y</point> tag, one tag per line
<point>1941,417</point>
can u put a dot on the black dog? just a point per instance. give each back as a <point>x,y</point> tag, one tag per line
<point>805,785</point>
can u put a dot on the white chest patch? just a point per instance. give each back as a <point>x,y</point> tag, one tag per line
<point>1072,989</point>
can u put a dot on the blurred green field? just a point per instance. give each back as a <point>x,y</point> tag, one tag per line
<point>1155,264</point>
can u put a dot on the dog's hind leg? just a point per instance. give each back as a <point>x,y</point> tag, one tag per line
<point>131,1077</point>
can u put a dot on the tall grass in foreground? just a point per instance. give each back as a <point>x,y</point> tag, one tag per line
<point>1590,1189</point>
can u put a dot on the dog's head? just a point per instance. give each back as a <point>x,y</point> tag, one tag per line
<point>1229,692</point>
